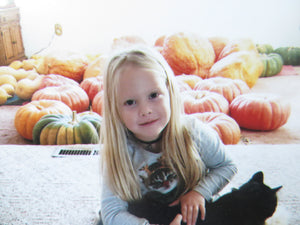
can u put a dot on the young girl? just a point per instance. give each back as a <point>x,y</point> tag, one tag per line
<point>154,158</point>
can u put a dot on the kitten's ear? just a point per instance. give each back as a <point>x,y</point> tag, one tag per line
<point>258,177</point>
<point>234,189</point>
<point>276,189</point>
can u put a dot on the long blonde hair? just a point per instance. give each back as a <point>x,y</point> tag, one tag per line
<point>177,145</point>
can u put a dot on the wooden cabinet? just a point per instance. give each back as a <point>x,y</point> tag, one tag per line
<point>11,43</point>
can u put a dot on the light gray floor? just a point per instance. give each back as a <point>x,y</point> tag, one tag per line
<point>36,188</point>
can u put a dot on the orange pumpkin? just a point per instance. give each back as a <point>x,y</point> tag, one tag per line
<point>28,115</point>
<point>257,111</point>
<point>97,104</point>
<point>183,86</point>
<point>159,42</point>
<point>243,65</point>
<point>56,80</point>
<point>68,65</point>
<point>92,86</point>
<point>226,127</point>
<point>190,79</point>
<point>236,46</point>
<point>204,101</point>
<point>127,41</point>
<point>227,87</point>
<point>188,54</point>
<point>218,44</point>
<point>73,96</point>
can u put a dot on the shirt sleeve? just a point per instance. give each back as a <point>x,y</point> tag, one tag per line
<point>114,210</point>
<point>219,166</point>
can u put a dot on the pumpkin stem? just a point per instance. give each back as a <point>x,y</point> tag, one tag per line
<point>74,117</point>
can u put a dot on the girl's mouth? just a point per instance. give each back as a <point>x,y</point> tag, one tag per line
<point>148,123</point>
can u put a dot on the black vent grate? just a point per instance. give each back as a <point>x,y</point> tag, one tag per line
<point>76,151</point>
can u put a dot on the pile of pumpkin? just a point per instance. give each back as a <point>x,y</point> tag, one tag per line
<point>215,76</point>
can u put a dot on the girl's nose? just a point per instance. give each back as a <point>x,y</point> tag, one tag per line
<point>145,109</point>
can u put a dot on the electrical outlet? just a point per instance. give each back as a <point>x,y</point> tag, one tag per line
<point>58,29</point>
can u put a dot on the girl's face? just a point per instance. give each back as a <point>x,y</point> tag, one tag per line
<point>144,102</point>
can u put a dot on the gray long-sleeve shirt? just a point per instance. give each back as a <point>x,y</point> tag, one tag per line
<point>161,182</point>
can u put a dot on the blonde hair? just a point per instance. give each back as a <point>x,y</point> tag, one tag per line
<point>177,146</point>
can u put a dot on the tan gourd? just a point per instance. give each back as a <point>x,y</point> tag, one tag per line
<point>10,90</point>
<point>3,96</point>
<point>26,87</point>
<point>8,79</point>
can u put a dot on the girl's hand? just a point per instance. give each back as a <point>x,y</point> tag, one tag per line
<point>177,220</point>
<point>191,203</point>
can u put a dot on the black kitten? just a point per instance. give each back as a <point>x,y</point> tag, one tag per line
<point>251,204</point>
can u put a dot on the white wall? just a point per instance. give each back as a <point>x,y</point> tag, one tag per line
<point>90,25</point>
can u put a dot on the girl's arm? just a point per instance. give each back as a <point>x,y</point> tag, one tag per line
<point>220,167</point>
<point>114,210</point>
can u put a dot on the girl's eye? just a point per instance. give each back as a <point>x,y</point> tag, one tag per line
<point>153,95</point>
<point>130,102</point>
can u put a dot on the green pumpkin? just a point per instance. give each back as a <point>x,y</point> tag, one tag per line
<point>272,64</point>
<point>290,55</point>
<point>83,128</point>
<point>264,48</point>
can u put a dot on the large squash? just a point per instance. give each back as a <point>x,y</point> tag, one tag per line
<point>257,111</point>
<point>290,55</point>
<point>96,67</point>
<point>226,127</point>
<point>204,101</point>
<point>238,45</point>
<point>188,54</point>
<point>227,87</point>
<point>67,129</point>
<point>272,64</point>
<point>218,44</point>
<point>69,65</point>
<point>243,65</point>
<point>73,96</point>
<point>28,115</point>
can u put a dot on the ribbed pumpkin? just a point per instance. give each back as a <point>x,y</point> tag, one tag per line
<point>28,115</point>
<point>204,101</point>
<point>228,130</point>
<point>67,129</point>
<point>188,54</point>
<point>227,87</point>
<point>97,103</point>
<point>182,86</point>
<point>264,48</point>
<point>190,79</point>
<point>73,96</point>
<point>92,86</point>
<point>257,111</point>
<point>272,64</point>
<point>56,80</point>
<point>290,55</point>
